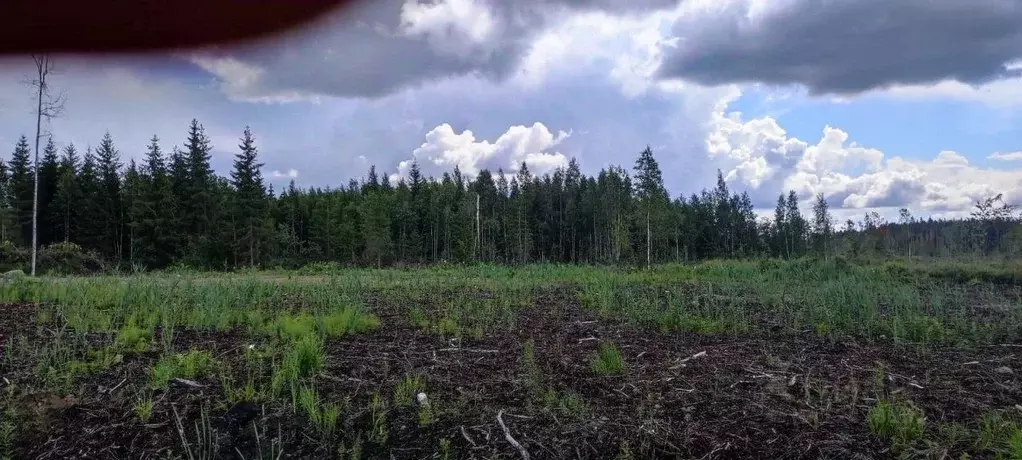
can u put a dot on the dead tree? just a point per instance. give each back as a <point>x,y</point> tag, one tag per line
<point>48,107</point>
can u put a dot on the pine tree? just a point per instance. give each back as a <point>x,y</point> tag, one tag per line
<point>250,200</point>
<point>22,189</point>
<point>64,212</point>
<point>111,212</point>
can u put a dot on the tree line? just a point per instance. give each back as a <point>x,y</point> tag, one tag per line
<point>172,208</point>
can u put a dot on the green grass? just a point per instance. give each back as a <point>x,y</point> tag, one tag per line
<point>901,422</point>
<point>192,365</point>
<point>900,301</point>
<point>608,360</point>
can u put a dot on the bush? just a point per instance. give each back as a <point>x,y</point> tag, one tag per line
<point>68,259</point>
<point>13,257</point>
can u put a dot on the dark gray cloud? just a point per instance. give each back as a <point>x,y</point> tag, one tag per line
<point>375,48</point>
<point>847,46</point>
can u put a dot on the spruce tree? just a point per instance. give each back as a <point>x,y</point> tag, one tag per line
<point>822,225</point>
<point>198,196</point>
<point>796,225</point>
<point>67,200</point>
<point>108,199</point>
<point>90,225</point>
<point>131,192</point>
<point>153,211</point>
<point>48,178</point>
<point>780,236</point>
<point>22,190</point>
<point>250,200</point>
<point>5,203</point>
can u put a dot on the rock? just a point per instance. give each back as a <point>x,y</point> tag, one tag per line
<point>422,399</point>
<point>13,275</point>
<point>1004,370</point>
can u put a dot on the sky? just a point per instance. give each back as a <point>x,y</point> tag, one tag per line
<point>877,105</point>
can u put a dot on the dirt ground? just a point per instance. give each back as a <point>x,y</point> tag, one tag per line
<point>682,395</point>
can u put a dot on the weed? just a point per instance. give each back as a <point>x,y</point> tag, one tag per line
<point>345,321</point>
<point>445,449</point>
<point>195,363</point>
<point>133,339</point>
<point>448,327</point>
<point>533,375</point>
<point>294,327</point>
<point>900,422</point>
<point>608,360</point>
<point>206,444</point>
<point>417,317</point>
<point>304,358</point>
<point>143,408</point>
<point>954,435</point>
<point>407,390</point>
<point>572,405</point>
<point>378,416</point>
<point>191,365</point>
<point>427,412</point>
<point>162,373</point>
<point>8,433</point>
<point>999,434</point>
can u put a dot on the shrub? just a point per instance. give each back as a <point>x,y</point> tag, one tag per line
<point>69,259</point>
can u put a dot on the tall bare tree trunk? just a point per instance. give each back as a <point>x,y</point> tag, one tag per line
<point>40,66</point>
<point>479,231</point>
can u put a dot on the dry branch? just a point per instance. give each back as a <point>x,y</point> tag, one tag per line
<point>509,438</point>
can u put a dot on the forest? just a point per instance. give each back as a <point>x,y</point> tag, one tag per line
<point>173,209</point>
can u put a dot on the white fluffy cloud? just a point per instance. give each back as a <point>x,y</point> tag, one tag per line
<point>1006,156</point>
<point>289,174</point>
<point>444,149</point>
<point>759,155</point>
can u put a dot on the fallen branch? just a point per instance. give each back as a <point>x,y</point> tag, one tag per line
<point>509,438</point>
<point>470,350</point>
<point>681,362</point>
<point>186,383</point>
<point>464,434</point>
<point>112,390</point>
<point>587,339</point>
<point>697,355</point>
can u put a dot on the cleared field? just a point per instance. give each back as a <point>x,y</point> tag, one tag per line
<point>762,359</point>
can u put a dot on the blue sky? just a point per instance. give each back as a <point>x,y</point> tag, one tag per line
<point>904,116</point>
